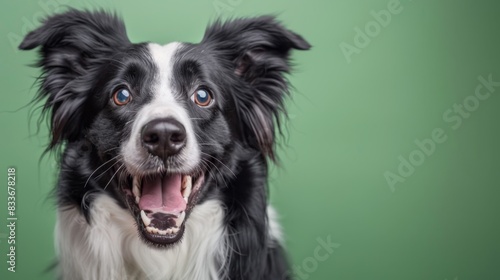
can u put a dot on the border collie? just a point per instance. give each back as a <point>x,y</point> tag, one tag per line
<point>164,148</point>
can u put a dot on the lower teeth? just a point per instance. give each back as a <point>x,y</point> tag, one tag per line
<point>145,219</point>
<point>147,222</point>
<point>162,232</point>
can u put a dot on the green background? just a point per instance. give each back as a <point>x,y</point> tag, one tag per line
<point>349,123</point>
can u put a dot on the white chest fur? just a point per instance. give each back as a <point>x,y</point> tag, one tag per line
<point>110,247</point>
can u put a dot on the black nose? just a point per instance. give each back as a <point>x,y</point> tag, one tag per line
<point>163,137</point>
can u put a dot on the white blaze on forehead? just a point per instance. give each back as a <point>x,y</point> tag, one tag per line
<point>162,105</point>
<point>163,57</point>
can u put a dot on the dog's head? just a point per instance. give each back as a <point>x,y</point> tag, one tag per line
<point>162,119</point>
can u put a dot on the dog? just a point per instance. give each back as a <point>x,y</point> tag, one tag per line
<point>164,149</point>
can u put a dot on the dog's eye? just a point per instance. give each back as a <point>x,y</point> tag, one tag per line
<point>202,98</point>
<point>122,97</point>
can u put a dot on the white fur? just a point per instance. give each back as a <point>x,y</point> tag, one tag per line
<point>163,104</point>
<point>275,231</point>
<point>110,248</point>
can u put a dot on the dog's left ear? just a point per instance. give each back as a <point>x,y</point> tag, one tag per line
<point>258,50</point>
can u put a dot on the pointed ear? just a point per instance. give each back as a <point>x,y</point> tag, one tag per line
<point>258,51</point>
<point>72,46</point>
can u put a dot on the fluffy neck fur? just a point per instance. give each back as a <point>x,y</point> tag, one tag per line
<point>232,234</point>
<point>109,247</point>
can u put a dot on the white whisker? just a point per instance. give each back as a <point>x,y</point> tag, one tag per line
<point>90,176</point>
<point>114,175</point>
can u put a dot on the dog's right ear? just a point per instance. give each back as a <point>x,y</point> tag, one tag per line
<point>72,45</point>
<point>258,51</point>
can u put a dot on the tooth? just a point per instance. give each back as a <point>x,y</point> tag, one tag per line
<point>162,232</point>
<point>136,190</point>
<point>183,183</point>
<point>135,187</point>
<point>149,229</point>
<point>145,219</point>
<point>187,188</point>
<point>169,231</point>
<point>180,219</point>
<point>175,230</point>
<point>155,230</point>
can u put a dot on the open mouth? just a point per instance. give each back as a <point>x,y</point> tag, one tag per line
<point>161,204</point>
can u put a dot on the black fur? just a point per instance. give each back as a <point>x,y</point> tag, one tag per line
<point>85,55</point>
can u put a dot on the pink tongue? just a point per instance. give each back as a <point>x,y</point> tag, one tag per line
<point>162,194</point>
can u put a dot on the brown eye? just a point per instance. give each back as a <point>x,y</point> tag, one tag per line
<point>202,98</point>
<point>122,97</point>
